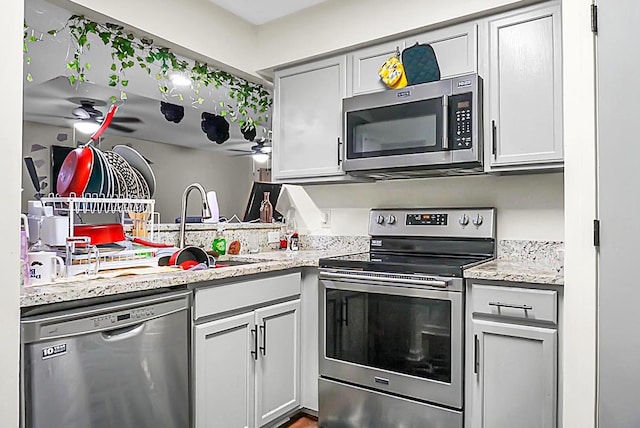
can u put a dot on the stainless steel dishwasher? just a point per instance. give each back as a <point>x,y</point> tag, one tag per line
<point>123,364</point>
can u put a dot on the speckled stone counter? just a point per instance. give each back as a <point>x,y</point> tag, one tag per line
<point>517,271</point>
<point>86,288</point>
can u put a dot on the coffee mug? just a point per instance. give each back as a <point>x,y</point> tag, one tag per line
<point>44,267</point>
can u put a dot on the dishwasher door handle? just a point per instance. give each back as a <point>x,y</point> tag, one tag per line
<point>123,333</point>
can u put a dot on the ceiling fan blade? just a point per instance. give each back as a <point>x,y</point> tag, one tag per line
<point>81,113</point>
<point>53,116</point>
<point>126,119</point>
<point>121,128</point>
<point>241,151</point>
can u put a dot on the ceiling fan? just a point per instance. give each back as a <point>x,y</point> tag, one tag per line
<point>261,148</point>
<point>87,112</point>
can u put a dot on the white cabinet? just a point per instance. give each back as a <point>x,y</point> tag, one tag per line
<point>511,362</point>
<point>515,377</point>
<point>364,64</point>
<point>456,49</point>
<point>247,365</point>
<point>278,361</point>
<point>307,122</point>
<point>224,373</point>
<point>523,119</point>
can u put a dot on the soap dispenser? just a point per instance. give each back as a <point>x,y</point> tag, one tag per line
<point>219,244</point>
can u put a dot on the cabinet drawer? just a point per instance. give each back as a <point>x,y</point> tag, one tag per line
<point>539,305</point>
<point>232,296</point>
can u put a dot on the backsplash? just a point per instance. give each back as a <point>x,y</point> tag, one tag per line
<point>202,235</point>
<point>551,252</point>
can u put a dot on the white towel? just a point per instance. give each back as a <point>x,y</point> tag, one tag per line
<point>212,200</point>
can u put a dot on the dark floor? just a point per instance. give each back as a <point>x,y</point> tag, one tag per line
<point>301,422</point>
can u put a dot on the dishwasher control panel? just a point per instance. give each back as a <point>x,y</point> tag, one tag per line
<point>115,319</point>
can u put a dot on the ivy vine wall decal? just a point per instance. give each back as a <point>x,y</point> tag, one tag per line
<point>246,105</point>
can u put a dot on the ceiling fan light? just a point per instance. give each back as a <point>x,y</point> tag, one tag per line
<point>180,80</point>
<point>260,157</point>
<point>86,127</point>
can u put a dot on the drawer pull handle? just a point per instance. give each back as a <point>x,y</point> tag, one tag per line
<point>510,305</point>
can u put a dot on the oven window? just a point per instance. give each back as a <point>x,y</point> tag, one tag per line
<point>408,335</point>
<point>395,130</point>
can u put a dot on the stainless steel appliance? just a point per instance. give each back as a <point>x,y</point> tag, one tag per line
<point>392,320</point>
<point>122,364</point>
<point>419,130</point>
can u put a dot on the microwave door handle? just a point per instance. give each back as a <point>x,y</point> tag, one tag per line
<point>445,122</point>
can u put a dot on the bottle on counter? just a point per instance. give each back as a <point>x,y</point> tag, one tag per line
<point>219,244</point>
<point>284,239</point>
<point>293,242</point>
<point>266,209</point>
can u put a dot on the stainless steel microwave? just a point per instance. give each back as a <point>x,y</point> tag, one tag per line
<point>429,129</point>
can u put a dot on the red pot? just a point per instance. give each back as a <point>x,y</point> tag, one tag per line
<point>196,254</point>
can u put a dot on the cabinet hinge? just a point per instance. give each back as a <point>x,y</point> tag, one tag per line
<point>596,233</point>
<point>594,19</point>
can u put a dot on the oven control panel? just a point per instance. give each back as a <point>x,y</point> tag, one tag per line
<point>444,222</point>
<point>427,219</point>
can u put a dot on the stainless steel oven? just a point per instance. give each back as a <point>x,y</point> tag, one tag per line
<point>399,335</point>
<point>392,319</point>
<point>415,130</point>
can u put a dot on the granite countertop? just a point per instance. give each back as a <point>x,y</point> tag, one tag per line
<point>85,287</point>
<point>528,271</point>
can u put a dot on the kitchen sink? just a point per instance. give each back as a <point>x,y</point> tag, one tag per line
<point>231,263</point>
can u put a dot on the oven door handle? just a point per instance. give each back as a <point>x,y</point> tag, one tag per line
<point>369,288</point>
<point>437,283</point>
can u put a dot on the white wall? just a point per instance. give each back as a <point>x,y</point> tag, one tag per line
<point>201,28</point>
<point>529,206</point>
<point>11,21</point>
<point>339,24</point>
<point>580,209</point>
<point>175,167</point>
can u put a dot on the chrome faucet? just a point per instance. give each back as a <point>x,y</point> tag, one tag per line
<point>206,212</point>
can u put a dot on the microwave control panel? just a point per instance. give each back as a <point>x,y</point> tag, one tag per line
<point>460,122</point>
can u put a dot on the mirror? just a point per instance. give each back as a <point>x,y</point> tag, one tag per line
<point>181,153</point>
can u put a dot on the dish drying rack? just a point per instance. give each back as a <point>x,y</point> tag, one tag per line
<point>142,214</point>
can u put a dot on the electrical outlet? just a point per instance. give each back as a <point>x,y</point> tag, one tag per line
<point>273,237</point>
<point>326,219</point>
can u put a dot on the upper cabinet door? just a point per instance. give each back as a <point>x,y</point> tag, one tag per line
<point>524,124</point>
<point>456,48</point>
<point>365,63</point>
<point>307,127</point>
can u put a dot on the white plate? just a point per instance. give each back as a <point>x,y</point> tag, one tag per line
<point>137,161</point>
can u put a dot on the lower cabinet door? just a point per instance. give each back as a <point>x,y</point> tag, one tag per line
<point>278,365</point>
<point>514,376</point>
<point>224,373</point>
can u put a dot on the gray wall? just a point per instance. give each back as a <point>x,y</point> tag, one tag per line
<point>174,167</point>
